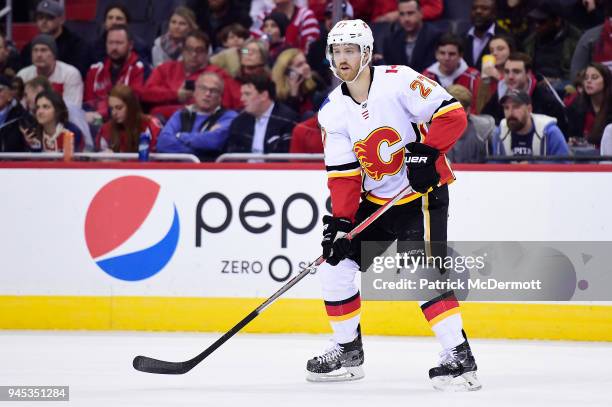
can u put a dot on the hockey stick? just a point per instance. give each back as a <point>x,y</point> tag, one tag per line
<point>150,365</point>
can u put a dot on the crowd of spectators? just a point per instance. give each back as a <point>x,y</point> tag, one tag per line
<point>534,76</point>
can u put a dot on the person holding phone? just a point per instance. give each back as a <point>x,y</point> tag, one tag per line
<point>296,84</point>
<point>50,132</point>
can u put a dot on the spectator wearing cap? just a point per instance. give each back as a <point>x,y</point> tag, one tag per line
<point>121,65</point>
<point>11,112</point>
<point>595,45</point>
<point>65,79</point>
<point>303,26</point>
<point>451,68</point>
<point>70,48</point>
<point>265,125</point>
<point>552,44</point>
<point>484,27</point>
<point>274,28</point>
<point>169,46</point>
<point>519,76</point>
<point>171,84</point>
<point>233,38</point>
<point>413,43</point>
<point>472,146</point>
<point>316,51</point>
<point>523,133</point>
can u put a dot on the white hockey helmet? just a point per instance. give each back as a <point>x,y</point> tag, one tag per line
<point>350,32</point>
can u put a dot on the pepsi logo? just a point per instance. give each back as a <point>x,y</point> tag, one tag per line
<point>132,228</point>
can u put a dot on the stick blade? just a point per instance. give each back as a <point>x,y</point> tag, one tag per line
<point>150,365</point>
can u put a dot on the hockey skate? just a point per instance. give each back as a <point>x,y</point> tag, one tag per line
<point>457,370</point>
<point>340,362</point>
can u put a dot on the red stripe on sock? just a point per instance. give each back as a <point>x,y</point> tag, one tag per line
<point>338,310</point>
<point>440,307</point>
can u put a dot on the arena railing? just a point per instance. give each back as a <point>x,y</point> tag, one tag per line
<point>99,157</point>
<point>269,157</point>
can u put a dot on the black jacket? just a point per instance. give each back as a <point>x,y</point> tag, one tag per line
<point>424,53</point>
<point>278,132</point>
<point>11,139</point>
<point>70,49</point>
<point>468,47</point>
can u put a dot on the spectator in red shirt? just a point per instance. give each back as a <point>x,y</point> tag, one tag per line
<point>121,65</point>
<point>171,84</point>
<point>122,132</point>
<point>306,137</point>
<point>451,68</point>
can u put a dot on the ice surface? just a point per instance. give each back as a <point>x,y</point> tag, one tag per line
<point>269,370</point>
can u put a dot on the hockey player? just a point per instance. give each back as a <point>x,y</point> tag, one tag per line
<point>370,127</point>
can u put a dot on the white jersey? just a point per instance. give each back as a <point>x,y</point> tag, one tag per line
<point>371,137</point>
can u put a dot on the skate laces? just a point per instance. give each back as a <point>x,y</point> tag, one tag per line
<point>331,353</point>
<point>448,356</point>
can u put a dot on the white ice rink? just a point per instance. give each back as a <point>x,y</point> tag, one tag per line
<point>268,370</point>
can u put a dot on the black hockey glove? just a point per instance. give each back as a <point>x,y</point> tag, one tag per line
<point>335,246</point>
<point>421,163</point>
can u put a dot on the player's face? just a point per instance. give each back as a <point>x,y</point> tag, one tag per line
<point>347,60</point>
<point>593,81</point>
<point>516,114</point>
<point>410,17</point>
<point>500,50</point>
<point>448,56</point>
<point>515,75</point>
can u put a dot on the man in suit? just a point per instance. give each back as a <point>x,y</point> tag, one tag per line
<point>479,35</point>
<point>265,125</point>
<point>413,43</point>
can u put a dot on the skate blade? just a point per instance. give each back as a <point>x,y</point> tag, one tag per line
<point>466,382</point>
<point>344,374</point>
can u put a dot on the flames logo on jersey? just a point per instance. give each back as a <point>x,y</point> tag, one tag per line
<point>368,153</point>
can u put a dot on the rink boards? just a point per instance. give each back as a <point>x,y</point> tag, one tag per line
<point>196,247</point>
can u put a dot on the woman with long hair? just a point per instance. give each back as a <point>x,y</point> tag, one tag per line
<point>500,47</point>
<point>49,132</point>
<point>296,84</point>
<point>121,133</point>
<point>170,45</point>
<point>591,111</point>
